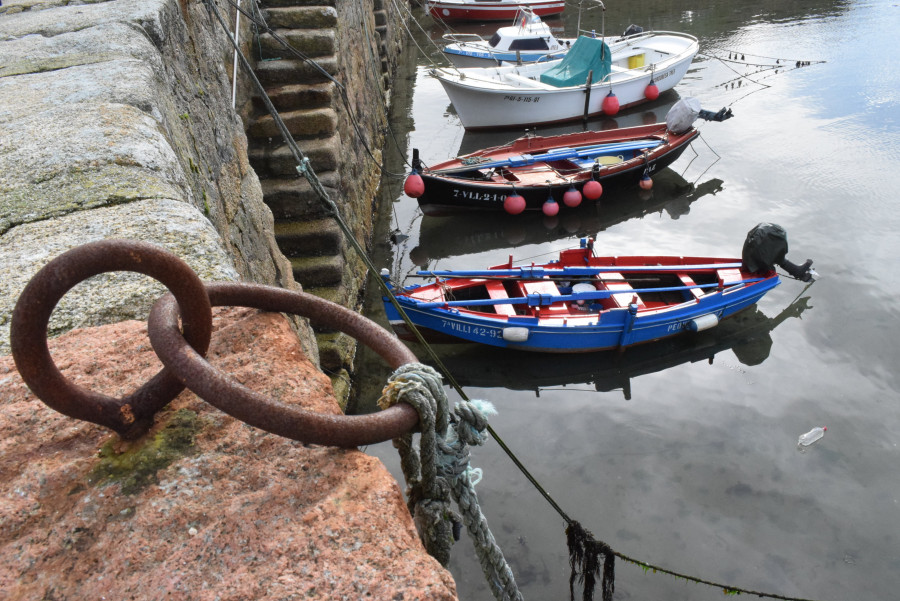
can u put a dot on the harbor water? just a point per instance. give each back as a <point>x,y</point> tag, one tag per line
<point>685,454</point>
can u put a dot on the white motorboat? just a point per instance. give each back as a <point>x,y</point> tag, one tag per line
<point>593,78</point>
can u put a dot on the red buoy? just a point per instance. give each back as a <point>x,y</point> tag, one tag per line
<point>414,186</point>
<point>514,203</point>
<point>651,92</point>
<point>646,183</point>
<point>610,104</point>
<point>572,197</point>
<point>551,207</point>
<point>592,190</point>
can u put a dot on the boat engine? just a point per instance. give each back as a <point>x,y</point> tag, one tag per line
<point>766,246</point>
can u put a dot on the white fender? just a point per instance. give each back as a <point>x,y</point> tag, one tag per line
<point>514,334</point>
<point>704,322</point>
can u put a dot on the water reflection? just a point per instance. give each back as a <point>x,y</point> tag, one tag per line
<point>448,236</point>
<point>747,335</point>
<point>647,114</point>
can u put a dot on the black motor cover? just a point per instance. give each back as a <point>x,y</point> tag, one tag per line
<point>766,246</point>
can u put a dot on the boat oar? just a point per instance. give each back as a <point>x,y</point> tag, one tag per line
<point>535,300</point>
<point>585,152</point>
<point>528,272</point>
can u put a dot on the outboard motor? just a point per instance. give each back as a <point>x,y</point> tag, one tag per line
<point>683,113</point>
<point>766,246</point>
<point>632,30</point>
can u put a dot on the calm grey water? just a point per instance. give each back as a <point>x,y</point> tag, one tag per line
<point>685,455</point>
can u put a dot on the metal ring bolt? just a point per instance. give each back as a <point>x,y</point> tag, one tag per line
<point>183,354</point>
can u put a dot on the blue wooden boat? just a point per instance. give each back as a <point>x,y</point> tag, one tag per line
<point>583,303</point>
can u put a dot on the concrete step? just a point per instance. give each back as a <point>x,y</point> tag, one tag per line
<point>309,237</point>
<point>300,17</point>
<point>282,72</point>
<point>275,159</point>
<point>318,271</point>
<point>314,43</point>
<point>302,123</point>
<point>295,199</point>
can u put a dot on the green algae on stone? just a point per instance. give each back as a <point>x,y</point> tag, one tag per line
<point>135,468</point>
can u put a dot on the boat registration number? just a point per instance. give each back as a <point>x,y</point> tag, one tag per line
<point>658,77</point>
<point>470,330</point>
<point>516,98</point>
<point>477,196</point>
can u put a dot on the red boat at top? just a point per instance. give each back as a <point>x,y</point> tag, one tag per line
<point>490,10</point>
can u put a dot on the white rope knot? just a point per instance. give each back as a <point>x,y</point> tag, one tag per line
<point>473,421</point>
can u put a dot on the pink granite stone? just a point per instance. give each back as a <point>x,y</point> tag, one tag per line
<point>236,513</point>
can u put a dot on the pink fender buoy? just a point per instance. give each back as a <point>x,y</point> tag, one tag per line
<point>514,203</point>
<point>572,197</point>
<point>551,207</point>
<point>592,190</point>
<point>414,186</point>
<point>610,104</point>
<point>651,92</point>
<point>646,183</point>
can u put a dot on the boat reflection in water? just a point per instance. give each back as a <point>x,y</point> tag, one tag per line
<point>650,113</point>
<point>456,235</point>
<point>747,335</point>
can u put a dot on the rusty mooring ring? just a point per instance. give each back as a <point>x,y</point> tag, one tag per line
<point>221,391</point>
<point>129,416</point>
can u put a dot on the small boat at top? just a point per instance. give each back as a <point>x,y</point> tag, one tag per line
<point>535,173</point>
<point>490,10</point>
<point>593,78</point>
<point>528,39</point>
<point>584,303</point>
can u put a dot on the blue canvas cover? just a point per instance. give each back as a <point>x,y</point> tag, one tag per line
<point>585,55</point>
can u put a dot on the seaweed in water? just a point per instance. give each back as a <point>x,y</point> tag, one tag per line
<point>584,558</point>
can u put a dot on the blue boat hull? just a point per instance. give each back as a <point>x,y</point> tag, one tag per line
<point>616,329</point>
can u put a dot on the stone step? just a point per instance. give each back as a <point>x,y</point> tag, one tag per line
<point>294,199</point>
<point>275,159</point>
<point>300,17</point>
<point>290,97</point>
<point>318,271</point>
<point>303,123</point>
<point>314,43</point>
<point>282,3</point>
<point>339,294</point>
<point>334,349</point>
<point>309,237</point>
<point>280,72</point>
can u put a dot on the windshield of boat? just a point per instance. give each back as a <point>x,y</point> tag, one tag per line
<point>494,40</point>
<point>529,44</point>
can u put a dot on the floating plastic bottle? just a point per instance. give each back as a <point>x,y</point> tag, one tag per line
<point>811,436</point>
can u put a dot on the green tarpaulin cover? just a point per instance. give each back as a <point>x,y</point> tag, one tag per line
<point>586,54</point>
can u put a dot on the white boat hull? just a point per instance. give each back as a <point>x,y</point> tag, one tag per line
<point>507,96</point>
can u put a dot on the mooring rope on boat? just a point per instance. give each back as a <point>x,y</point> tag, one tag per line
<point>770,69</point>
<point>585,550</point>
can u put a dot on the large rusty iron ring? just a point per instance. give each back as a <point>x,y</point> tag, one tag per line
<point>223,392</point>
<point>132,415</point>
